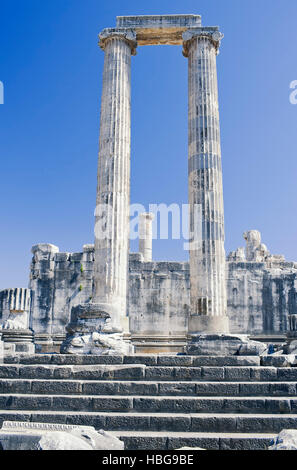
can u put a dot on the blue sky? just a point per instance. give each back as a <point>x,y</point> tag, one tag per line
<point>51,68</point>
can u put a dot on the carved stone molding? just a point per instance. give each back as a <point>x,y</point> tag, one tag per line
<point>213,34</point>
<point>128,35</point>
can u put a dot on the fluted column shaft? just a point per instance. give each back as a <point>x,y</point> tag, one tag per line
<point>146,235</point>
<point>113,191</point>
<point>207,253</point>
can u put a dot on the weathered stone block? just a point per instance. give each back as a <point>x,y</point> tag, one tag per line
<point>221,361</point>
<point>175,361</point>
<point>286,440</point>
<point>86,419</point>
<point>31,372</point>
<point>100,388</point>
<point>56,387</point>
<point>278,405</point>
<point>127,422</point>
<point>155,373</point>
<point>255,443</point>
<point>145,359</point>
<point>224,345</point>
<point>284,374</point>
<point>112,404</point>
<point>263,373</point>
<point>15,386</point>
<point>212,373</point>
<point>254,389</point>
<point>282,389</point>
<point>188,373</point>
<point>1,350</point>
<point>17,416</point>
<point>9,372</point>
<point>213,424</point>
<point>137,388</point>
<point>72,403</point>
<point>34,359</point>
<point>175,388</point>
<point>170,423</point>
<point>153,404</point>
<point>61,372</point>
<point>52,418</point>
<point>244,405</point>
<point>29,402</point>
<point>40,436</point>
<point>143,443</point>
<point>237,373</point>
<point>278,361</point>
<point>217,389</point>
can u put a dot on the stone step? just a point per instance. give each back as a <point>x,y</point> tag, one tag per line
<point>93,372</point>
<point>209,441</point>
<point>157,388</point>
<point>138,421</point>
<point>154,360</point>
<point>149,403</point>
<point>152,373</point>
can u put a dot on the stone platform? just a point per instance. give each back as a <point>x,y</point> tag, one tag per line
<point>156,402</point>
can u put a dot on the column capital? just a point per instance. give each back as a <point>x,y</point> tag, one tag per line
<point>128,35</point>
<point>211,33</point>
<point>147,215</point>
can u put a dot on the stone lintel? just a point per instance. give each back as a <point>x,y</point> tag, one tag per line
<point>210,32</point>
<point>158,21</point>
<point>153,30</point>
<point>162,34</point>
<point>129,35</point>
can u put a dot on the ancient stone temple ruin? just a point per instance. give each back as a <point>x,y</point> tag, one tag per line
<point>157,304</point>
<point>261,295</point>
<point>132,330</point>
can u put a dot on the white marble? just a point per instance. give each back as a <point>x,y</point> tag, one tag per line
<point>208,297</point>
<point>113,191</point>
<point>146,236</point>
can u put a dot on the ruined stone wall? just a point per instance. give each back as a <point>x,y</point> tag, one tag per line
<point>261,292</point>
<point>261,288</point>
<point>260,297</point>
<point>59,281</point>
<point>159,297</point>
<point>244,294</point>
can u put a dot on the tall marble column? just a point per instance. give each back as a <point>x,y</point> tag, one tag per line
<point>207,253</point>
<point>113,191</point>
<point>97,327</point>
<point>146,235</point>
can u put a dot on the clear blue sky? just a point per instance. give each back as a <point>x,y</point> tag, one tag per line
<point>51,68</point>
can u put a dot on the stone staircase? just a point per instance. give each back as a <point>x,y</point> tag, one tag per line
<point>156,402</point>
